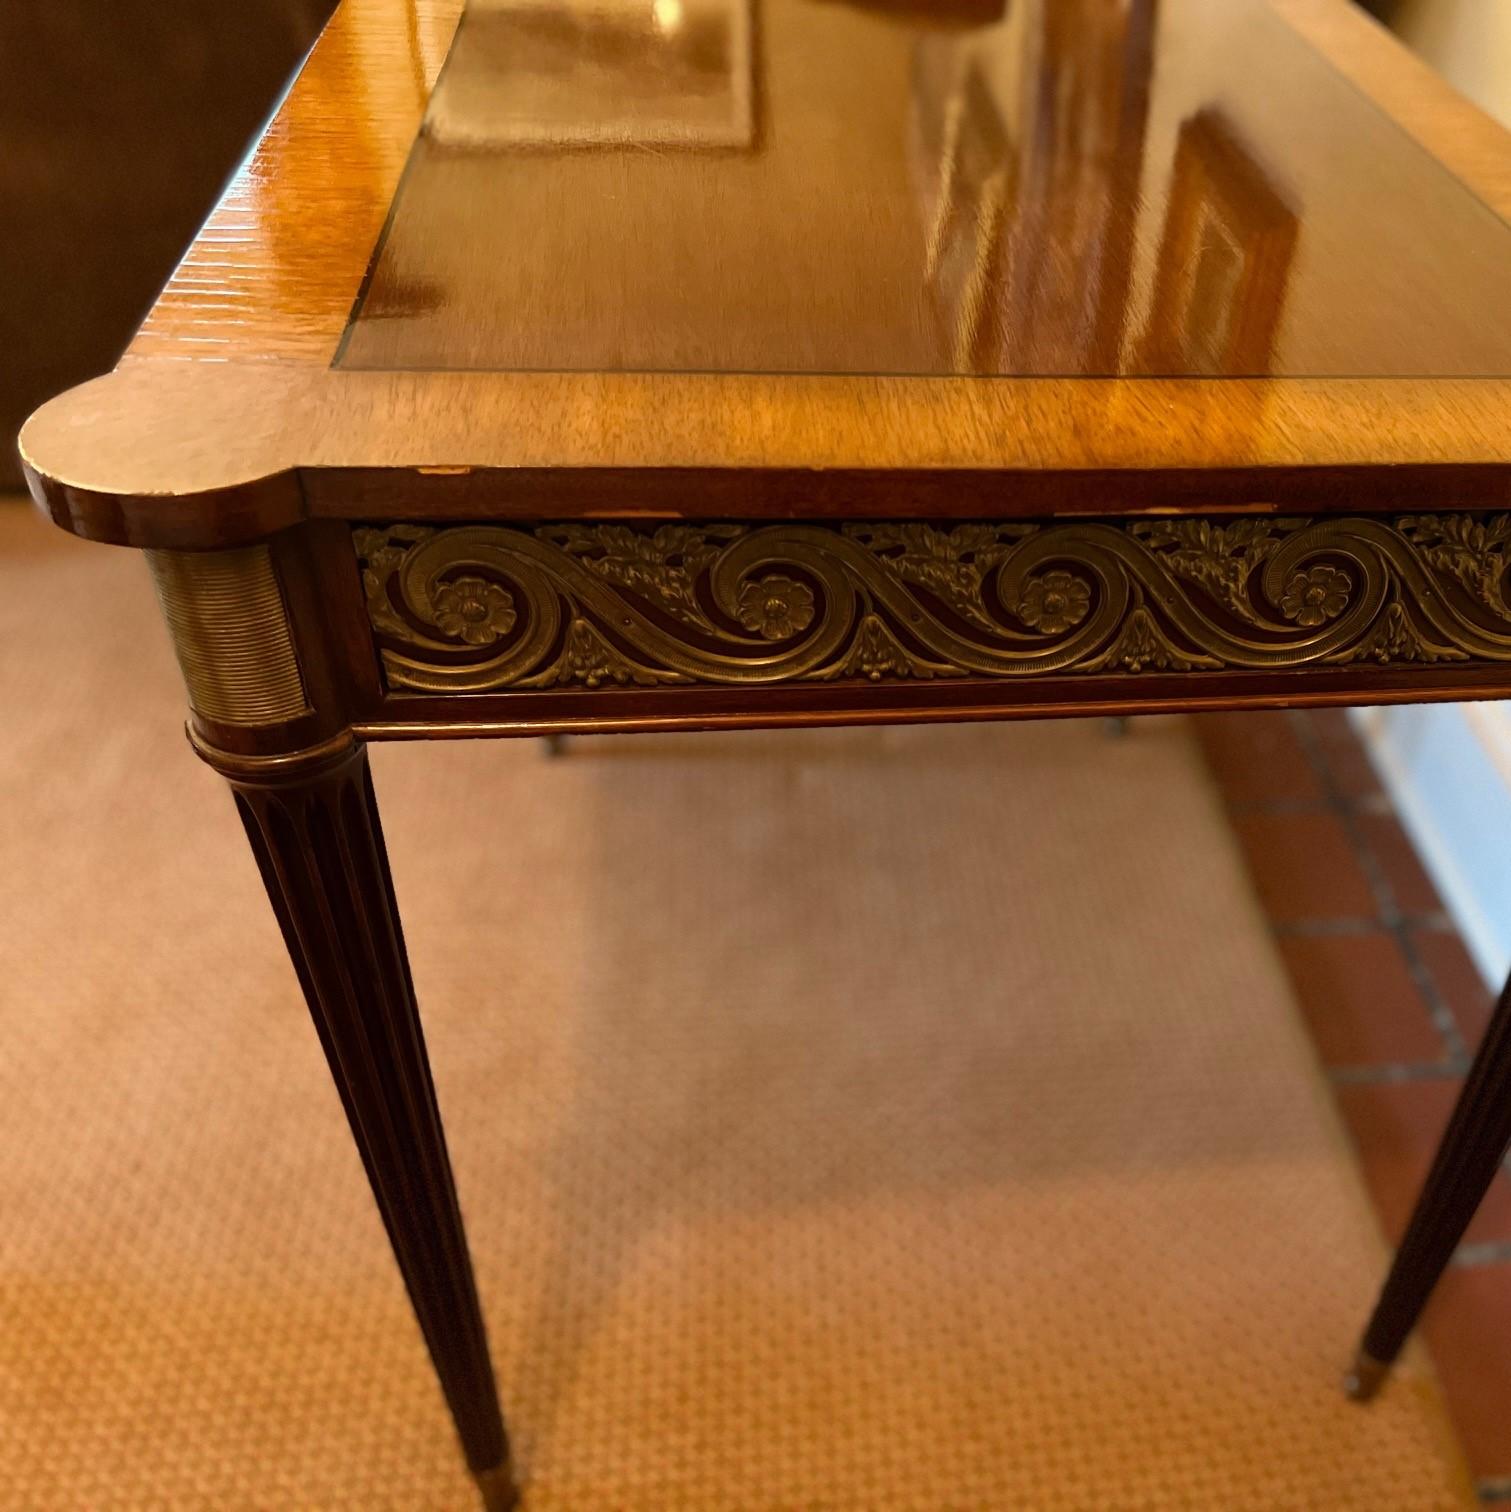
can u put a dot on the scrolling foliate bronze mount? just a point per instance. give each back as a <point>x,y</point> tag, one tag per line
<point>488,608</point>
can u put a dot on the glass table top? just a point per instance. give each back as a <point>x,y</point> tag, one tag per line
<point>931,187</point>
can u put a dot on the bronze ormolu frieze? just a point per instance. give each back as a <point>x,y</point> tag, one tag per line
<point>485,608</point>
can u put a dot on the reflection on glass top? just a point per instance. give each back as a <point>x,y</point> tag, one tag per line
<point>995,187</point>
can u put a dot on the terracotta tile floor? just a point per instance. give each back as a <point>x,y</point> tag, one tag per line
<point>1395,1007</point>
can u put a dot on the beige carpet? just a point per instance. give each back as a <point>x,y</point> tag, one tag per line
<point>877,1120</point>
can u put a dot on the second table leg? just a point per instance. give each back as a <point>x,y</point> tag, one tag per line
<point>1473,1147</point>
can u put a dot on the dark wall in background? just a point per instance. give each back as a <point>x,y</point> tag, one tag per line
<point>120,120</point>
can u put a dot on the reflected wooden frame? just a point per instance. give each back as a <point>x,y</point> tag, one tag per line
<point>976,184</point>
<point>1228,244</point>
<point>483,100</point>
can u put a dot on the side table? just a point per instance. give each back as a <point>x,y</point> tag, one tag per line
<point>555,369</point>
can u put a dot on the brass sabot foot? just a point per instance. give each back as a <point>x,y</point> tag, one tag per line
<point>1366,1377</point>
<point>497,1487</point>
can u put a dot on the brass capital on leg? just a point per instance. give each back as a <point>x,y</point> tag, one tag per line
<point>291,766</point>
<point>253,713</point>
<point>231,633</point>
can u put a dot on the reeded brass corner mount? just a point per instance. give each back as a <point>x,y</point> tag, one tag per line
<point>231,633</point>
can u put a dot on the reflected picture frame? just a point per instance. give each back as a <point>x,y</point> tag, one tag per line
<point>1225,259</point>
<point>598,74</point>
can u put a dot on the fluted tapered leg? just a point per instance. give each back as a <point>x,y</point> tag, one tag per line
<point>1473,1147</point>
<point>314,828</point>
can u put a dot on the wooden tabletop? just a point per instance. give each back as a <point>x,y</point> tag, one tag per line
<point>772,258</point>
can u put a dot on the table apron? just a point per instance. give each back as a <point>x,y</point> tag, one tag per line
<point>481,629</point>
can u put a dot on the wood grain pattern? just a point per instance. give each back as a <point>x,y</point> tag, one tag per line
<point>1087,187</point>
<point>274,271</point>
<point>1466,141</point>
<point>177,453</point>
<point>212,455</point>
<point>121,125</point>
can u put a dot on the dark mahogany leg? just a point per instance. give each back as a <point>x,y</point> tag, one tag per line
<point>1473,1147</point>
<point>313,824</point>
